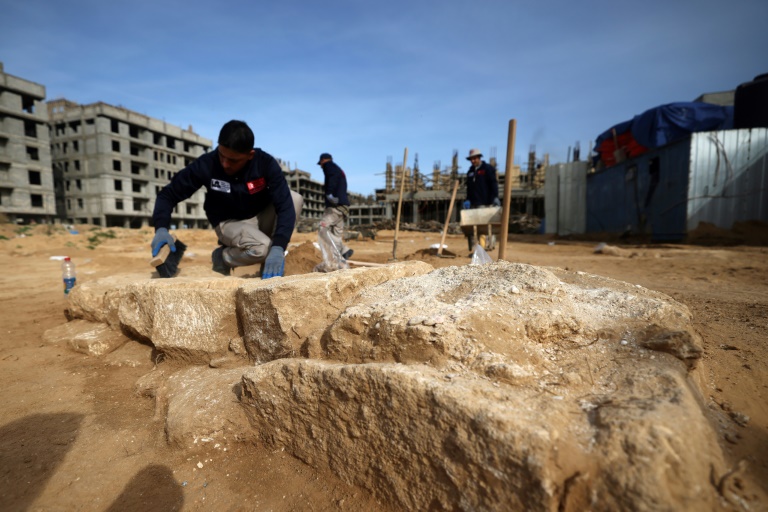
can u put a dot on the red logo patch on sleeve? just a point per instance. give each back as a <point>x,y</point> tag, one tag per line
<point>256,185</point>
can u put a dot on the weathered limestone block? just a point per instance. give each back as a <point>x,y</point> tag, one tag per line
<point>425,439</point>
<point>202,408</point>
<point>506,319</point>
<point>93,339</point>
<point>98,301</point>
<point>192,319</point>
<point>285,317</point>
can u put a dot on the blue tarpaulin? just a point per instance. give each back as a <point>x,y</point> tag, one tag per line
<point>661,125</point>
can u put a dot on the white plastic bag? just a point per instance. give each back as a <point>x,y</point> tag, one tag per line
<point>332,258</point>
<point>480,257</point>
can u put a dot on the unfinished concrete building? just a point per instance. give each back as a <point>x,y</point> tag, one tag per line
<point>312,192</point>
<point>110,163</point>
<point>26,181</point>
<point>427,198</point>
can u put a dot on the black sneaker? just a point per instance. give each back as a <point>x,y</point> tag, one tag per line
<point>348,254</point>
<point>217,257</point>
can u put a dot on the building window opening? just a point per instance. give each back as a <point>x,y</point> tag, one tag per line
<point>37,200</point>
<point>116,146</point>
<point>79,203</point>
<point>115,126</point>
<point>35,178</point>
<point>116,165</point>
<point>118,185</point>
<point>28,104</point>
<point>33,153</point>
<point>30,128</point>
<point>118,204</point>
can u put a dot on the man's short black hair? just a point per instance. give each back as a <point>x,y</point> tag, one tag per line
<point>237,136</point>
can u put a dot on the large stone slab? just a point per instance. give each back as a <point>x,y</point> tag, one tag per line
<point>90,338</point>
<point>508,320</point>
<point>99,300</point>
<point>201,319</point>
<point>190,319</point>
<point>201,407</point>
<point>286,317</point>
<point>426,439</point>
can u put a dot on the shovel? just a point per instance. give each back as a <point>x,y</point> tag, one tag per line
<point>447,221</point>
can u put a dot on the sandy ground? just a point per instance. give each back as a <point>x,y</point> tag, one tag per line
<point>74,436</point>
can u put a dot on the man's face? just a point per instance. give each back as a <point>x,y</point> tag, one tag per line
<point>475,161</point>
<point>232,161</point>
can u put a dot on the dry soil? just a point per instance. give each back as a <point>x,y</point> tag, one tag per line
<point>75,436</point>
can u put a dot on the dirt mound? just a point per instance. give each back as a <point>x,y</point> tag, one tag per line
<point>302,259</point>
<point>429,255</point>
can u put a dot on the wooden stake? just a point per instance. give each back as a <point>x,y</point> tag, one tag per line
<point>448,217</point>
<point>399,205</point>
<point>507,189</point>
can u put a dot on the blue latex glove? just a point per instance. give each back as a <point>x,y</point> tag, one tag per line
<point>496,201</point>
<point>162,237</point>
<point>467,205</point>
<point>332,199</point>
<point>274,265</point>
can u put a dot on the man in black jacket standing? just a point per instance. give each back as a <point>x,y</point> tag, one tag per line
<point>482,187</point>
<point>336,203</point>
<point>247,201</point>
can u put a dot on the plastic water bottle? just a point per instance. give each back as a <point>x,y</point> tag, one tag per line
<point>68,274</point>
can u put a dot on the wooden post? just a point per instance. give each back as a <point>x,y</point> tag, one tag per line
<point>399,205</point>
<point>507,189</point>
<point>448,217</point>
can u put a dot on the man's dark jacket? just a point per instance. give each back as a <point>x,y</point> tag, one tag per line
<point>482,185</point>
<point>335,184</point>
<point>242,196</point>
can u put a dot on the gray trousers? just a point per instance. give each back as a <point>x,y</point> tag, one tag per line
<point>248,241</point>
<point>333,220</point>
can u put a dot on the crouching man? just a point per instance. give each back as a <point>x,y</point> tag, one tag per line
<point>247,201</point>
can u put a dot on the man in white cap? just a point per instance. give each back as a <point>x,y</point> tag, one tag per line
<point>482,187</point>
